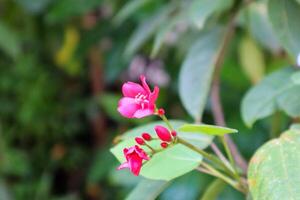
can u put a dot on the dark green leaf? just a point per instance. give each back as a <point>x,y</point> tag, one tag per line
<point>283,15</point>
<point>34,6</point>
<point>128,9</point>
<point>213,190</point>
<point>64,9</point>
<point>146,29</point>
<point>276,91</point>
<point>260,26</point>
<point>9,41</point>
<point>196,72</point>
<point>200,10</point>
<point>147,190</point>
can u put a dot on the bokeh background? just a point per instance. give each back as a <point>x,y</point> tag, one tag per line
<point>62,63</point>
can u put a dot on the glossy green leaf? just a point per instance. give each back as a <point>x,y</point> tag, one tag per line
<point>206,129</point>
<point>128,9</point>
<point>200,10</point>
<point>283,15</point>
<point>196,72</point>
<point>273,172</point>
<point>252,59</point>
<point>146,29</point>
<point>213,190</point>
<point>181,158</point>
<point>260,26</point>
<point>147,190</point>
<point>9,41</point>
<point>276,92</point>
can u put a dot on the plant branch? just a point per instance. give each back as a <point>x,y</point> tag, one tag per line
<point>217,109</point>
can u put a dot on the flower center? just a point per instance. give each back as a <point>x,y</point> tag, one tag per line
<point>141,99</point>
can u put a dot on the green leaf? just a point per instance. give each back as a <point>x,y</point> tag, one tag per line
<point>162,33</point>
<point>128,9</point>
<point>283,15</point>
<point>146,29</point>
<point>274,169</point>
<point>147,190</point>
<point>213,190</point>
<point>260,26</point>
<point>196,72</point>
<point>181,158</point>
<point>296,78</point>
<point>295,127</point>
<point>189,186</point>
<point>276,92</point>
<point>252,59</point>
<point>100,166</point>
<point>206,129</point>
<point>34,6</point>
<point>14,162</point>
<point>9,41</point>
<point>65,9</point>
<point>200,10</point>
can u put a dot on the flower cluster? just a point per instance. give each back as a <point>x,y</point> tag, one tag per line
<point>139,101</point>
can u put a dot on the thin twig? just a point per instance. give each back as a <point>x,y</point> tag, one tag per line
<point>217,109</point>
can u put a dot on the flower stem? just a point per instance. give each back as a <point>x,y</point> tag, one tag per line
<point>216,173</point>
<point>165,119</point>
<point>206,155</point>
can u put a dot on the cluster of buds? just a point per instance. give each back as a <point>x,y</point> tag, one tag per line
<point>163,134</point>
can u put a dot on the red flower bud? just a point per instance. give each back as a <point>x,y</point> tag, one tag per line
<point>146,136</point>
<point>174,133</point>
<point>163,133</point>
<point>161,112</point>
<point>164,145</point>
<point>140,141</point>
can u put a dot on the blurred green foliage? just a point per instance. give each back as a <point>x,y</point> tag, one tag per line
<point>62,63</point>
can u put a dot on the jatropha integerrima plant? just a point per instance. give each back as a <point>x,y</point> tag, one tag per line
<point>170,146</point>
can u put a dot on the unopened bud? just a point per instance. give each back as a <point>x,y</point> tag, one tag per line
<point>164,145</point>
<point>146,136</point>
<point>140,141</point>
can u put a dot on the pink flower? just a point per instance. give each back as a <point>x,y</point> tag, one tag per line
<point>134,159</point>
<point>163,133</point>
<point>138,100</point>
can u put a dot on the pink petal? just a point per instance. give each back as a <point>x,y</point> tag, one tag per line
<point>153,96</point>
<point>123,165</point>
<point>143,113</point>
<point>131,89</point>
<point>135,163</point>
<point>145,85</point>
<point>127,107</point>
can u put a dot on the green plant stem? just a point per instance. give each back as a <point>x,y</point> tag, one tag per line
<point>218,174</point>
<point>165,119</point>
<point>228,152</point>
<point>206,155</point>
